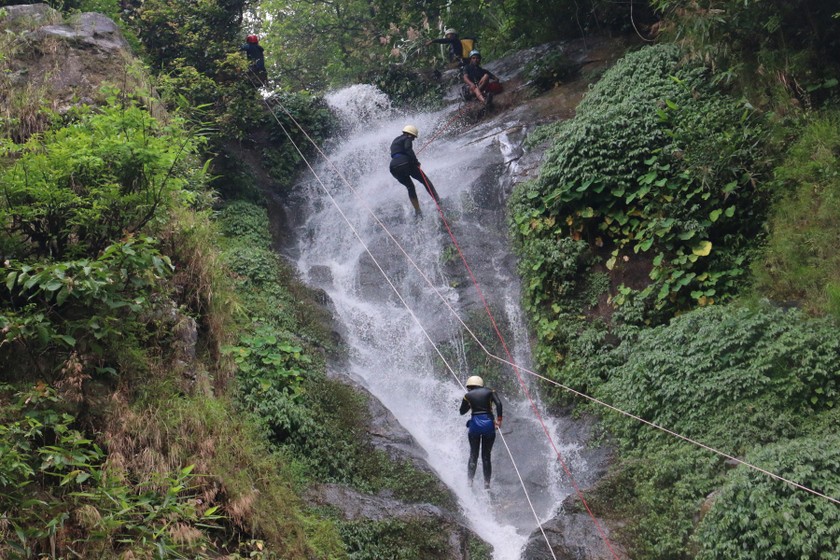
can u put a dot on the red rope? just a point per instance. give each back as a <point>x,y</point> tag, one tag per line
<point>519,377</point>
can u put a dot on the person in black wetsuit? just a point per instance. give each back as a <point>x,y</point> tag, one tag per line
<point>456,45</point>
<point>482,427</point>
<point>404,166</point>
<point>477,79</point>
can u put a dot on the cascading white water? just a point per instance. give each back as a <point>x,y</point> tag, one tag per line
<point>389,350</point>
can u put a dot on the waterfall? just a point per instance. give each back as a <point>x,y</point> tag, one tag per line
<point>389,352</point>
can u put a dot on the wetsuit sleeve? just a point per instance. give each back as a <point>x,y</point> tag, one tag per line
<point>465,405</point>
<point>498,402</point>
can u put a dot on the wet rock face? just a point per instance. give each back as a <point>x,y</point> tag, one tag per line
<point>355,506</point>
<point>573,536</point>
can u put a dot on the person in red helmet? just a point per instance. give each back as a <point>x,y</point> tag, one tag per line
<point>254,52</point>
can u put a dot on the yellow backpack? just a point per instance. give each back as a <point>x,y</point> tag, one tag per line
<point>467,44</point>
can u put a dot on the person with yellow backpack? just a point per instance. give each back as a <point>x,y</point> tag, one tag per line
<point>458,47</point>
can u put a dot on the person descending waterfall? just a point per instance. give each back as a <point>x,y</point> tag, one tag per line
<point>404,166</point>
<point>481,431</point>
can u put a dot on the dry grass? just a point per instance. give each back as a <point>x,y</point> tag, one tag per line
<point>232,469</point>
<point>202,284</point>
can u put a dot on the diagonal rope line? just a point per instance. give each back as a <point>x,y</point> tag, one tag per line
<point>512,364</point>
<point>522,384</point>
<point>527,497</point>
<point>564,387</point>
<point>399,296</point>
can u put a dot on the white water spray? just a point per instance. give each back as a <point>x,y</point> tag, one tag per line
<point>389,352</point>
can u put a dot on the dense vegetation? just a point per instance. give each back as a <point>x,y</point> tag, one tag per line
<point>162,384</point>
<point>686,201</point>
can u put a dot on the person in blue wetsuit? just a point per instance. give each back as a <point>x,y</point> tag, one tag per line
<point>404,166</point>
<point>481,426</point>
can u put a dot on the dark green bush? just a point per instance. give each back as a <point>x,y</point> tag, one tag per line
<point>754,516</point>
<point>660,169</point>
<point>395,539</point>
<point>551,70</point>
<point>734,377</point>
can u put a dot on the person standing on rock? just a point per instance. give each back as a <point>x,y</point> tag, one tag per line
<point>457,45</point>
<point>481,431</point>
<point>256,57</point>
<point>404,166</point>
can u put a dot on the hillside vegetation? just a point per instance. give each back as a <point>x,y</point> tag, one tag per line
<point>162,374</point>
<point>675,250</point>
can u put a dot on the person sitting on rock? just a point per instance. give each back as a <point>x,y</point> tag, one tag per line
<point>478,81</point>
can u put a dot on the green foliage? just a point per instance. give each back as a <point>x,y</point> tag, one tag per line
<point>549,71</point>
<point>394,538</point>
<point>775,49</point>
<point>200,33</point>
<point>57,493</point>
<point>762,370</point>
<point>755,516</point>
<point>661,488</point>
<point>312,114</point>
<point>405,86</point>
<point>326,45</point>
<point>244,222</point>
<point>267,361</point>
<point>83,305</point>
<point>734,378</point>
<point>801,263</point>
<point>86,185</point>
<point>661,169</point>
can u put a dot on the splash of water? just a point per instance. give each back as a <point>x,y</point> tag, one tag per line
<point>390,350</point>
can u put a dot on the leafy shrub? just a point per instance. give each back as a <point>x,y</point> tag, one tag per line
<point>776,50</point>
<point>762,370</point>
<point>314,117</point>
<point>801,264</point>
<point>756,516</point>
<point>83,506</point>
<point>394,538</point>
<point>661,169</point>
<point>406,86</point>
<point>551,70</point>
<point>83,305</point>
<point>245,222</point>
<point>86,185</point>
<point>739,380</point>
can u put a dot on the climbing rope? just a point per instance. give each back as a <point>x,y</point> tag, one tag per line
<point>510,361</point>
<point>522,384</point>
<point>390,283</point>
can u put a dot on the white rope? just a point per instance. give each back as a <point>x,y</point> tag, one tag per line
<point>481,345</point>
<point>396,291</point>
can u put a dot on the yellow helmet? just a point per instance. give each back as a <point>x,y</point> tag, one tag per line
<point>411,129</point>
<point>475,381</point>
